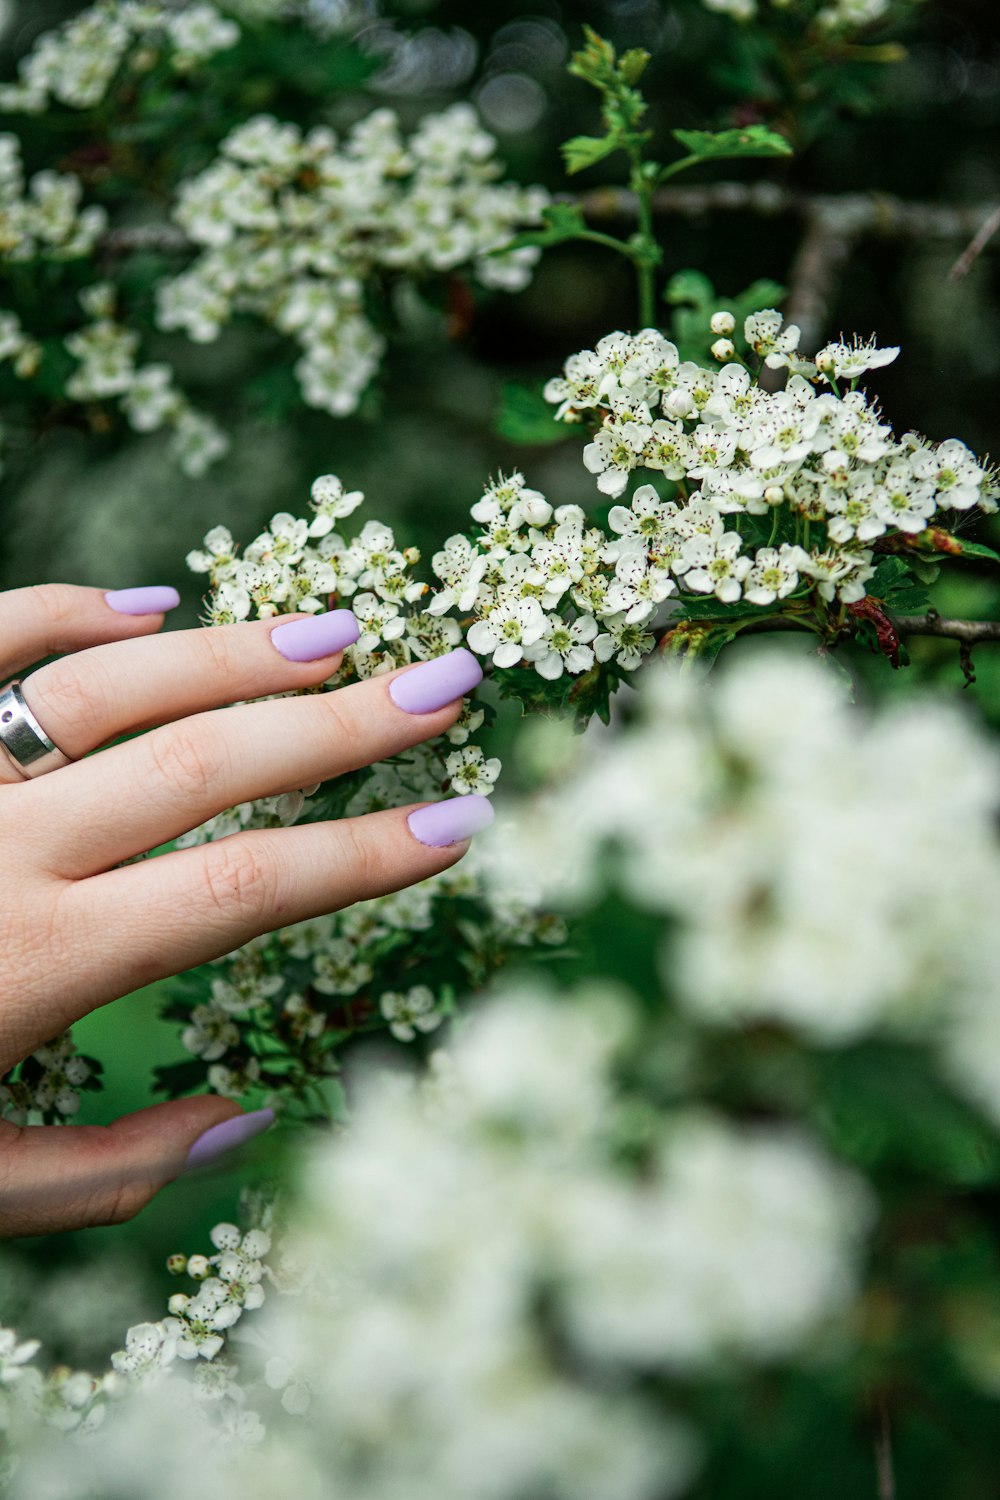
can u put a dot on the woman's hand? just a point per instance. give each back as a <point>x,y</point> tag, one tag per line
<point>78,931</point>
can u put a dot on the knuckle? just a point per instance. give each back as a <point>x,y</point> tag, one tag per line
<point>185,761</point>
<point>367,862</point>
<point>239,882</point>
<point>63,695</point>
<point>223,657</point>
<point>349,733</point>
<point>58,603</point>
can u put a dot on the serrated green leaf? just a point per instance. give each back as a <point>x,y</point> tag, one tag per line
<point>690,287</point>
<point>976,549</point>
<point>584,151</point>
<point>560,222</point>
<point>752,140</point>
<point>632,64</point>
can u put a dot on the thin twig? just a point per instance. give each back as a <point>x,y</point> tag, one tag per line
<point>164,237</point>
<point>855,214</point>
<point>822,255</point>
<point>884,1472</point>
<point>975,247</point>
<point>968,632</point>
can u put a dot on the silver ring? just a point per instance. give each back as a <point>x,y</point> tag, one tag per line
<point>24,739</point>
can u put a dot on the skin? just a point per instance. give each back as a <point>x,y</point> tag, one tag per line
<point>78,931</point>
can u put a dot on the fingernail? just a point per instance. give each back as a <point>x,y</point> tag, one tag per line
<point>154,600</point>
<point>316,636</point>
<point>219,1139</point>
<point>434,683</point>
<point>443,823</point>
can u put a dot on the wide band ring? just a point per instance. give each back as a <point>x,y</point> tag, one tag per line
<point>23,738</point>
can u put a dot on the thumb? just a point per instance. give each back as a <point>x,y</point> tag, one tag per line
<point>56,1177</point>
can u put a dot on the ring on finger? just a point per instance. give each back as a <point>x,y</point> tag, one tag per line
<point>23,739</point>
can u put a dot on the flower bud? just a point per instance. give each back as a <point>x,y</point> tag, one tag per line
<point>722,322</point>
<point>774,494</point>
<point>723,349</point>
<point>177,1264</point>
<point>198,1267</point>
<point>679,404</point>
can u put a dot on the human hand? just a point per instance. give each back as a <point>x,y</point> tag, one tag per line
<point>79,930</point>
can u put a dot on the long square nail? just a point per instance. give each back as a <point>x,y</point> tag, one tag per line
<point>316,636</point>
<point>425,689</point>
<point>155,599</point>
<point>442,823</point>
<point>226,1136</point>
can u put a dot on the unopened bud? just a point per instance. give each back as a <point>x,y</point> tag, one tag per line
<point>723,349</point>
<point>198,1267</point>
<point>177,1264</point>
<point>679,404</point>
<point>722,322</point>
<point>774,494</point>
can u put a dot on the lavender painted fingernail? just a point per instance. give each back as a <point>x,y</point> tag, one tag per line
<point>443,823</point>
<point>219,1139</point>
<point>154,600</point>
<point>434,683</point>
<point>316,636</point>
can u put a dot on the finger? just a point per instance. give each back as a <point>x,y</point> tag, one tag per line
<point>136,796</point>
<point>184,908</point>
<point>50,617</point>
<point>56,1177</point>
<point>88,698</point>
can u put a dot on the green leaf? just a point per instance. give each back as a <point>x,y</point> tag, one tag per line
<point>976,549</point>
<point>712,145</point>
<point>524,416</point>
<point>632,64</point>
<point>560,222</point>
<point>893,582</point>
<point>584,151</point>
<point>691,288</point>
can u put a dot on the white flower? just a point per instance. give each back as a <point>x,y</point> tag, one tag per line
<point>469,771</point>
<point>331,502</point>
<point>766,335</point>
<point>627,642</point>
<point>408,1013</point>
<point>774,574</point>
<point>615,452</point>
<point>211,1034</point>
<point>337,969</point>
<point>564,647</point>
<point>638,587</point>
<point>712,565</point>
<point>510,625</point>
<point>842,361</point>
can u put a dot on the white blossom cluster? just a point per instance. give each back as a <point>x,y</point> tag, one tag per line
<point>301,564</point>
<point>76,63</point>
<point>422,1248</point>
<point>41,217</point>
<point>824,470</point>
<point>192,1335</point>
<point>836,16</point>
<point>293,224</point>
<point>48,1084</point>
<point>832,873</point>
<point>106,351</point>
